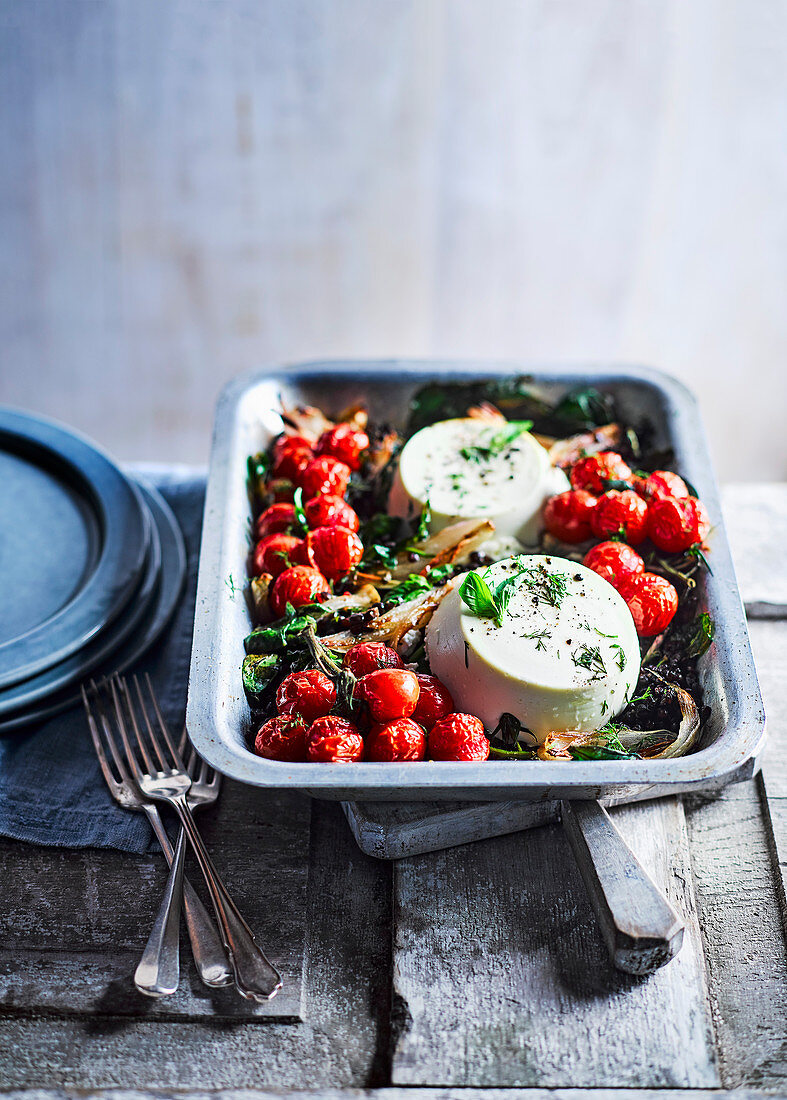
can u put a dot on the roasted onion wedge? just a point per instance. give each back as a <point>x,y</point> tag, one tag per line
<point>394,624</point>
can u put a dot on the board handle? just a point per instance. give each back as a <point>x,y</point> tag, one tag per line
<point>641,929</point>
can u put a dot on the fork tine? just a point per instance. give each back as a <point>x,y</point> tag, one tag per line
<point>99,690</point>
<point>152,739</point>
<point>176,756</point>
<point>106,771</point>
<point>117,685</point>
<point>203,773</point>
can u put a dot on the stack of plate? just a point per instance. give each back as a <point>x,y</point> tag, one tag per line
<point>91,567</point>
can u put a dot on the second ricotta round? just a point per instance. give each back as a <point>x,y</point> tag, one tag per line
<point>472,468</point>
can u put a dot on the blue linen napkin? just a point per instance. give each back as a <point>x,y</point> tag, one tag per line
<point>51,789</point>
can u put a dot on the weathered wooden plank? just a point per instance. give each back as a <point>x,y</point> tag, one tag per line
<point>501,978</point>
<point>751,511</point>
<point>394,1094</point>
<point>74,923</point>
<point>742,935</point>
<point>343,1042</point>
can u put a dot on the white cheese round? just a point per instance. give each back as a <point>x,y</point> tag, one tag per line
<point>565,656</point>
<point>470,468</point>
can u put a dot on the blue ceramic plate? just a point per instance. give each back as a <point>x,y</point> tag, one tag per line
<point>148,613</point>
<point>74,539</point>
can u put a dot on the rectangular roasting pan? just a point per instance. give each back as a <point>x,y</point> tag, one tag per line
<point>218,717</point>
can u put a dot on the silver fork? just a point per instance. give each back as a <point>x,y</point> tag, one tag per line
<point>162,776</point>
<point>158,971</point>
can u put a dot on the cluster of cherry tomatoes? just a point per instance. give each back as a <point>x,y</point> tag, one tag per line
<point>658,507</point>
<point>299,569</point>
<point>399,715</point>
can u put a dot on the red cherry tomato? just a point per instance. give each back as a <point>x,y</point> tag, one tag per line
<point>616,562</point>
<point>674,525</point>
<point>281,489</point>
<point>390,693</point>
<point>403,739</point>
<point>703,519</point>
<point>652,601</point>
<point>334,550</point>
<point>325,475</point>
<point>298,586</point>
<point>368,657</point>
<point>333,740</point>
<point>291,454</point>
<point>567,515</point>
<point>276,553</point>
<point>345,443</point>
<point>458,737</point>
<point>592,472</point>
<point>330,512</point>
<point>662,483</point>
<point>310,693</point>
<point>621,513</point>
<point>434,701</point>
<point>282,738</point>
<point>279,517</point>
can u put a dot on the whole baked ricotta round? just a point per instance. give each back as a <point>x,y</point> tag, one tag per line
<point>562,656</point>
<point>471,468</point>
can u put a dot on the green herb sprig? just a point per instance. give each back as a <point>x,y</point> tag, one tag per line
<point>499,442</point>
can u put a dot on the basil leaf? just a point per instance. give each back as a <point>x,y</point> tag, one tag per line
<point>475,592</point>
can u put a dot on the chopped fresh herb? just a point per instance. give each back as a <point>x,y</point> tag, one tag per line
<point>644,697</point>
<point>540,637</point>
<point>702,631</point>
<point>549,587</point>
<point>424,522</point>
<point>620,655</point>
<point>695,551</point>
<point>233,587</point>
<point>589,657</point>
<point>498,442</point>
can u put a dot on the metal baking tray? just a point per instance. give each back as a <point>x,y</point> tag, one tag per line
<point>218,717</point>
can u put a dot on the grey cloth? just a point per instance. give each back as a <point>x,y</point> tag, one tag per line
<point>51,789</point>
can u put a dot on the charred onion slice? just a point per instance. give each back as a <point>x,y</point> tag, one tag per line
<point>447,546</point>
<point>394,624</point>
<point>564,452</point>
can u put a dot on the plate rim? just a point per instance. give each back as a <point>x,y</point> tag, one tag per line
<point>120,561</point>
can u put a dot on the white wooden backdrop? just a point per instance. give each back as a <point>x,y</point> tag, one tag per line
<point>188,189</point>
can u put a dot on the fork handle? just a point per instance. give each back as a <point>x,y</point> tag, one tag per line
<point>255,977</point>
<point>158,972</point>
<point>210,957</point>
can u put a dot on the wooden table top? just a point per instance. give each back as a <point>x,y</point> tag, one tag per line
<point>479,967</point>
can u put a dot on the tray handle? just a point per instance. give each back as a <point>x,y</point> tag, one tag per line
<point>641,929</point>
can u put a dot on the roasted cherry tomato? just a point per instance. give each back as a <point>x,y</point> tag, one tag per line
<point>298,586</point>
<point>458,737</point>
<point>275,553</point>
<point>662,483</point>
<point>403,739</point>
<point>280,490</point>
<point>279,517</point>
<point>567,515</point>
<point>703,519</point>
<point>334,550</point>
<point>370,657</point>
<point>652,601</point>
<point>593,472</point>
<point>325,475</point>
<point>282,738</point>
<point>624,514</point>
<point>434,701</point>
<point>390,693</point>
<point>333,740</point>
<point>616,562</point>
<point>291,455</point>
<point>330,512</point>
<point>311,694</point>
<point>345,443</point>
<point>675,525</point>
